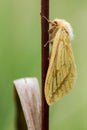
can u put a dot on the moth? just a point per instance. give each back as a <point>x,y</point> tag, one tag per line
<point>61,73</point>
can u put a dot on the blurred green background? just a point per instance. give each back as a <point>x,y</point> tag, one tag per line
<point>20,54</point>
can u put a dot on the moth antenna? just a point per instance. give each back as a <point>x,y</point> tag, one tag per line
<point>46,18</point>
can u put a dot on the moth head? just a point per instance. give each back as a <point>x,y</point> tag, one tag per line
<point>57,24</point>
<point>63,24</point>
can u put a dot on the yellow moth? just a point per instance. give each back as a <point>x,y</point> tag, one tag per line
<point>61,73</point>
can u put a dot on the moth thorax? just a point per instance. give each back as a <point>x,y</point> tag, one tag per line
<point>66,25</point>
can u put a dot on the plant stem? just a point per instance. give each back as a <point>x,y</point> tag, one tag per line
<point>45,61</point>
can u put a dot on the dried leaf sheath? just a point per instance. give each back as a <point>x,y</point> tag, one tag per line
<point>61,72</point>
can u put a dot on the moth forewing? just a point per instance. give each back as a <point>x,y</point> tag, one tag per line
<point>50,77</point>
<point>61,72</point>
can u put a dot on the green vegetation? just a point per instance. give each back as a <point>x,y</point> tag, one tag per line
<point>20,57</point>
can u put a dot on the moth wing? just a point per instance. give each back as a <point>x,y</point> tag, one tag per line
<point>61,72</point>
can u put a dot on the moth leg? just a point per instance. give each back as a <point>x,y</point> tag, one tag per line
<point>46,43</point>
<point>49,56</point>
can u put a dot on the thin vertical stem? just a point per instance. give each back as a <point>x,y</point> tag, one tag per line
<point>45,62</point>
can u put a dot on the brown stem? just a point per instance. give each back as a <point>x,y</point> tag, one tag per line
<point>45,62</point>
